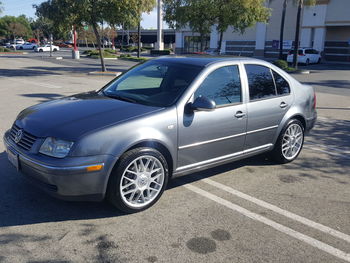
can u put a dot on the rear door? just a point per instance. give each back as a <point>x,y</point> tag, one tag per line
<point>269,99</point>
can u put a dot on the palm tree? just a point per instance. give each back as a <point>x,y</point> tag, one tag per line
<point>300,4</point>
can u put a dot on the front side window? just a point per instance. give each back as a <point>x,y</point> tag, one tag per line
<point>223,85</point>
<point>260,80</point>
<point>155,83</point>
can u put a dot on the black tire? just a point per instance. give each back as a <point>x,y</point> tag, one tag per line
<point>21,48</point>
<point>319,61</point>
<point>307,62</point>
<point>114,195</point>
<point>277,153</point>
<point>40,50</point>
<point>54,50</point>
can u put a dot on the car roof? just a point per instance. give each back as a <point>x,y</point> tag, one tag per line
<point>205,61</point>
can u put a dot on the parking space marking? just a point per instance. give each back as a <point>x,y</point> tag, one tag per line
<point>286,230</point>
<point>280,211</point>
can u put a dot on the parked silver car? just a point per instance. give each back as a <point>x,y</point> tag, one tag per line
<point>167,117</point>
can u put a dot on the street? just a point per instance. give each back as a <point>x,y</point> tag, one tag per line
<point>246,211</point>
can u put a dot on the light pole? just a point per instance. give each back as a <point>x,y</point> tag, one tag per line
<point>160,44</point>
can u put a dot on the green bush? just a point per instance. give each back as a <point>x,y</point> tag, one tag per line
<point>160,52</point>
<point>131,58</point>
<point>281,64</point>
<point>4,49</point>
<point>96,54</point>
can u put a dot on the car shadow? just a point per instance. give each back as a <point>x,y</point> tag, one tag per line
<point>21,203</point>
<point>26,72</point>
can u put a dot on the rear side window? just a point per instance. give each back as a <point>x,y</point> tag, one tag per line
<point>260,80</point>
<point>223,85</point>
<point>309,51</point>
<point>282,85</point>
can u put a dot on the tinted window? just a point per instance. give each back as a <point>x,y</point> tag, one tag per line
<point>261,84</point>
<point>282,85</point>
<point>309,51</point>
<point>222,85</point>
<point>300,52</point>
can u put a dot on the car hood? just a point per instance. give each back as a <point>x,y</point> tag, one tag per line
<point>71,117</point>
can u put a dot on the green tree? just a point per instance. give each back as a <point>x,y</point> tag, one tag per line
<point>200,15</point>
<point>65,13</point>
<point>239,14</point>
<point>196,14</point>
<point>12,27</point>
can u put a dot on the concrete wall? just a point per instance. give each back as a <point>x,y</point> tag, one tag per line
<point>338,12</point>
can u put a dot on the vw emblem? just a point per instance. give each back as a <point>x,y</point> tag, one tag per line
<point>18,136</point>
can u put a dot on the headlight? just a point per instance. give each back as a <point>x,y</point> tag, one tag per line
<point>55,147</point>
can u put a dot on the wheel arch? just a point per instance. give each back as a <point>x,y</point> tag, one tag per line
<point>146,143</point>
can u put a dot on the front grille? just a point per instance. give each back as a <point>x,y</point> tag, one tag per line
<point>27,140</point>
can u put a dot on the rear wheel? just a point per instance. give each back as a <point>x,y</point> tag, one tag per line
<point>139,180</point>
<point>289,143</point>
<point>307,62</point>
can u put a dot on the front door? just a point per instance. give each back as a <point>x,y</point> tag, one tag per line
<point>206,136</point>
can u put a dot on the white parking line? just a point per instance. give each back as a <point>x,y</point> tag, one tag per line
<point>280,211</point>
<point>286,230</point>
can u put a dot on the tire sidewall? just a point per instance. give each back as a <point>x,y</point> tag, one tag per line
<point>114,194</point>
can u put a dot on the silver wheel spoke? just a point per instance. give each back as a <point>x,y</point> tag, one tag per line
<point>145,175</point>
<point>292,141</point>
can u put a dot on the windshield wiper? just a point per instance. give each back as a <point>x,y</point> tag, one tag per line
<point>118,97</point>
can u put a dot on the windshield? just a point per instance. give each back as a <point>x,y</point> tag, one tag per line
<point>155,83</point>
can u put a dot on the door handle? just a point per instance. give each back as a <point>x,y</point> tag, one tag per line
<point>239,114</point>
<point>283,105</point>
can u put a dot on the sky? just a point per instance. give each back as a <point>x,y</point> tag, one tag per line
<point>25,7</point>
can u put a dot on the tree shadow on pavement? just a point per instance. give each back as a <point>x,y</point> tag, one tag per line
<point>26,72</point>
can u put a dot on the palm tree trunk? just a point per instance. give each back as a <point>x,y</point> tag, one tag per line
<point>282,29</point>
<point>139,38</point>
<point>220,41</point>
<point>297,33</point>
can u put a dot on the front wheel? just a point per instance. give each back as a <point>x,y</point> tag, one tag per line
<point>289,143</point>
<point>138,180</point>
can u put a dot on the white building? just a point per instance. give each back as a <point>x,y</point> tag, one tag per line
<point>325,27</point>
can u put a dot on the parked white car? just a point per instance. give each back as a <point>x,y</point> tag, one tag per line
<point>27,46</point>
<point>305,56</point>
<point>45,48</point>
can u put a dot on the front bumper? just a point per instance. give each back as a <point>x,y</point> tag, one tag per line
<point>65,178</point>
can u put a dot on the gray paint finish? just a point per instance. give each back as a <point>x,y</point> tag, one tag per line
<point>104,128</point>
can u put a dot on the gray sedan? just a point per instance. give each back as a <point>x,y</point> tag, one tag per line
<point>167,117</point>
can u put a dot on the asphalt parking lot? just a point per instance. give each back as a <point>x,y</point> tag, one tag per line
<point>247,211</point>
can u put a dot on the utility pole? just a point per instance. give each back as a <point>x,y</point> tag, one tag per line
<point>297,33</point>
<point>160,44</point>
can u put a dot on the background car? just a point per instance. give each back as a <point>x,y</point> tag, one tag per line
<point>27,46</point>
<point>46,48</point>
<point>305,56</point>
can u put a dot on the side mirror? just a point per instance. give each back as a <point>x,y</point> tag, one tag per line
<point>203,104</point>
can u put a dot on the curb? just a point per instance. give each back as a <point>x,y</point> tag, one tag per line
<point>107,73</point>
